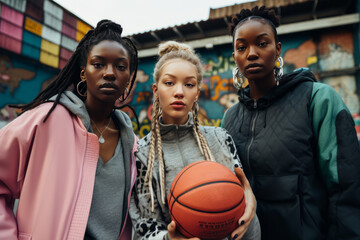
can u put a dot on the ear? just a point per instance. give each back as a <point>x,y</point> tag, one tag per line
<point>233,53</point>
<point>82,73</point>
<point>155,90</point>
<point>197,95</point>
<point>278,49</point>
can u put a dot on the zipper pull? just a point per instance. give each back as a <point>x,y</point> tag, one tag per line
<point>255,103</point>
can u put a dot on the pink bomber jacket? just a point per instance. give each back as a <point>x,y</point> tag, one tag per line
<point>51,168</point>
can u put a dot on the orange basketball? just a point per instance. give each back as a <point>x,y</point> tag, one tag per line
<point>206,200</point>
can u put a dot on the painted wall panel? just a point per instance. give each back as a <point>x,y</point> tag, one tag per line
<point>68,31</point>
<point>33,26</point>
<point>70,19</point>
<point>32,39</point>
<point>51,35</point>
<point>12,16</point>
<point>30,51</point>
<point>65,54</point>
<point>79,36</point>
<point>49,59</point>
<point>17,4</point>
<point>11,30</point>
<point>34,9</point>
<point>50,47</point>
<point>52,21</point>
<point>83,27</point>
<point>68,43</point>
<point>53,9</point>
<point>10,43</point>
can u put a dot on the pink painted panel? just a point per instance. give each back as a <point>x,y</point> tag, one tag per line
<point>12,16</point>
<point>68,31</point>
<point>10,44</point>
<point>11,30</point>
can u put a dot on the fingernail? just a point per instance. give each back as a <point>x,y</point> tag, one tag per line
<point>242,222</point>
<point>235,236</point>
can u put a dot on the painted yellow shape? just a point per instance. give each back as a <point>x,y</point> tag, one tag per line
<point>33,26</point>
<point>49,59</point>
<point>50,47</point>
<point>311,60</point>
<point>79,36</point>
<point>83,27</point>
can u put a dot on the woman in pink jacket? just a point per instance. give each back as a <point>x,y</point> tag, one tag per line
<point>69,158</point>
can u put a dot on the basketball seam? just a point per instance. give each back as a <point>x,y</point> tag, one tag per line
<point>176,199</point>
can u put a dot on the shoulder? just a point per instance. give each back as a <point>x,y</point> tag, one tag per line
<point>123,118</point>
<point>218,133</point>
<point>38,114</point>
<point>229,113</point>
<point>325,95</point>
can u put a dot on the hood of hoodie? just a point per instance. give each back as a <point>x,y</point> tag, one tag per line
<point>288,82</point>
<point>76,106</point>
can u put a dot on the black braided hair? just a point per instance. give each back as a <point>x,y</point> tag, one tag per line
<point>262,13</point>
<point>70,74</point>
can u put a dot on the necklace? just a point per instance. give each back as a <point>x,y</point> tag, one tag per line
<point>101,139</point>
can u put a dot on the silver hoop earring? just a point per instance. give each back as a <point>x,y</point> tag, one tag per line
<point>79,89</point>
<point>124,95</point>
<point>278,70</point>
<point>238,78</point>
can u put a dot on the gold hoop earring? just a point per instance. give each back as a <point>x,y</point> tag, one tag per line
<point>278,70</point>
<point>79,89</point>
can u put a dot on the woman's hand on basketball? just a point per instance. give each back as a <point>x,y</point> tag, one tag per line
<point>250,206</point>
<point>174,234</point>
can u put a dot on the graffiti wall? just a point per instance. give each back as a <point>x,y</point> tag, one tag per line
<point>327,52</point>
<point>326,55</point>
<point>21,80</point>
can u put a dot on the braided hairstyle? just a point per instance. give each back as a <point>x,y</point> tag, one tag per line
<point>260,14</point>
<point>168,51</point>
<point>70,74</point>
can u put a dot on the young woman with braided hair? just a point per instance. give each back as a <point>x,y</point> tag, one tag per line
<point>176,140</point>
<point>69,158</point>
<point>296,138</point>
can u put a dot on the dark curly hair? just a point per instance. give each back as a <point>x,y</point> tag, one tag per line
<point>70,74</point>
<point>262,13</point>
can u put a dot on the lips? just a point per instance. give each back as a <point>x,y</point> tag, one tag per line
<point>253,67</point>
<point>177,105</point>
<point>109,85</point>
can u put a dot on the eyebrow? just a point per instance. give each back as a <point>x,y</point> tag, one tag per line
<point>260,36</point>
<point>102,58</point>
<point>173,76</point>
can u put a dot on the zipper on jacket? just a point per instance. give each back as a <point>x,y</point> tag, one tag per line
<point>253,121</point>
<point>185,162</point>
<point>255,103</point>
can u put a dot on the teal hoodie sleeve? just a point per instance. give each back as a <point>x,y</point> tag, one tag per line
<point>338,155</point>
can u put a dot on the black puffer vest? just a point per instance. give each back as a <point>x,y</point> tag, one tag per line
<point>275,142</point>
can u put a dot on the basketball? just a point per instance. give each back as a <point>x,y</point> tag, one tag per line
<point>206,200</point>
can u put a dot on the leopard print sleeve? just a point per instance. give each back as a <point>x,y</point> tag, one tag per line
<point>146,224</point>
<point>232,149</point>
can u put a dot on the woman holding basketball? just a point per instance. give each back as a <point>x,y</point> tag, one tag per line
<point>177,140</point>
<point>296,139</point>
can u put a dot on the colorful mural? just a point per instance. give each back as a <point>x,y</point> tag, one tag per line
<point>21,79</point>
<point>332,51</point>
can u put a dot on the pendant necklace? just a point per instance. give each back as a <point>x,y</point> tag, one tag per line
<point>101,139</point>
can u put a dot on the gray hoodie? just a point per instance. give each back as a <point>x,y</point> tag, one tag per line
<point>179,149</point>
<point>112,181</point>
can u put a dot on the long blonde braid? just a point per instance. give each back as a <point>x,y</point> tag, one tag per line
<point>200,139</point>
<point>152,151</point>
